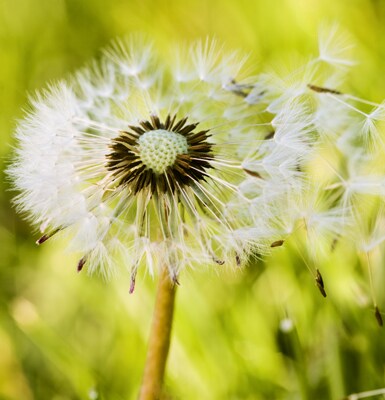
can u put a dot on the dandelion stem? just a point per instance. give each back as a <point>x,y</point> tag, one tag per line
<point>159,342</point>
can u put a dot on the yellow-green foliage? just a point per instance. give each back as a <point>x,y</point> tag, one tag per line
<point>66,336</point>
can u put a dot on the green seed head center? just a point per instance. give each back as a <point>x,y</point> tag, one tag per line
<point>159,148</point>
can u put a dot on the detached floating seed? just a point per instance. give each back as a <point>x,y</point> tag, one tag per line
<point>320,283</point>
<point>378,316</point>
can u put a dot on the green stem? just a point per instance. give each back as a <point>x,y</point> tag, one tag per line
<point>159,342</point>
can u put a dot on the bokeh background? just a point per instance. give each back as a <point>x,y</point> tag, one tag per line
<point>261,333</point>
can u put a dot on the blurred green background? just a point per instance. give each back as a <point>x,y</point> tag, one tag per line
<point>261,333</point>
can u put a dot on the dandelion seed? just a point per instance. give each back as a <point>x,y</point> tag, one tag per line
<point>320,283</point>
<point>277,243</point>
<point>335,47</point>
<point>378,316</point>
<point>319,89</point>
<point>81,263</point>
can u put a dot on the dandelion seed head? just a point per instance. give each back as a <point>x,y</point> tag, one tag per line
<point>137,160</point>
